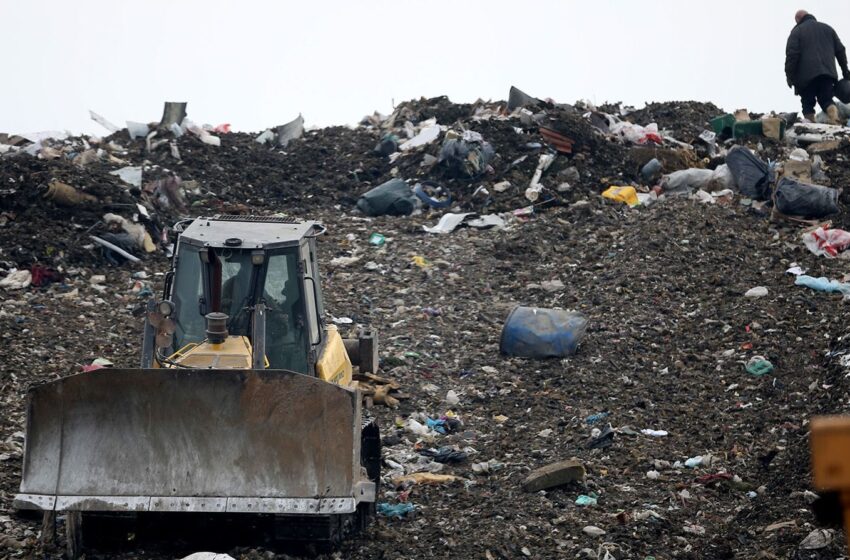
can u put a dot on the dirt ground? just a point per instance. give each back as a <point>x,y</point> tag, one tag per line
<point>670,332</point>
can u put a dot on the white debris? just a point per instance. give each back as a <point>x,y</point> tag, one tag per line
<point>593,531</point>
<point>819,538</point>
<point>17,280</point>
<point>130,175</point>
<point>757,292</point>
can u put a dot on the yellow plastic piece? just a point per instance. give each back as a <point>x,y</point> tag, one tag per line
<point>234,353</point>
<point>333,365</point>
<point>622,194</point>
<point>421,261</point>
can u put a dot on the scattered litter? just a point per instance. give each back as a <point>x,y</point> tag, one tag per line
<point>827,242</point>
<point>428,134</point>
<point>290,131</point>
<point>17,280</point>
<point>446,454</point>
<point>465,156</point>
<point>433,194</point>
<point>137,130</point>
<point>593,531</point>
<point>394,198</point>
<point>449,222</point>
<point>794,198</point>
<point>427,478</point>
<point>130,175</point>
<point>397,511</point>
<point>655,433</point>
<point>594,418</point>
<point>64,194</point>
<point>602,438</point>
<point>208,556</point>
<point>586,500</point>
<point>817,539</point>
<point>757,366</point>
<point>823,284</point>
<point>103,122</point>
<point>532,193</point>
<point>627,195</point>
<point>757,292</point>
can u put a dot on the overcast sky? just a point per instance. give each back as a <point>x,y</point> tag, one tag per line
<point>259,63</point>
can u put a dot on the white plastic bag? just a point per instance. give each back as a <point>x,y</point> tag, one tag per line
<point>722,179</point>
<point>686,181</point>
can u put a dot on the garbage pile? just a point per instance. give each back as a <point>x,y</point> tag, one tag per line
<point>484,158</point>
<point>603,330</point>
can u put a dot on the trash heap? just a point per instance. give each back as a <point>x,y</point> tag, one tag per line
<point>603,330</point>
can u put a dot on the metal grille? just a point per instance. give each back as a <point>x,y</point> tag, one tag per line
<point>262,219</point>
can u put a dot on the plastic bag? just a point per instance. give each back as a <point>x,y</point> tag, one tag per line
<point>534,332</point>
<point>751,173</point>
<point>686,181</point>
<point>636,134</point>
<point>722,179</point>
<point>465,160</point>
<point>802,199</point>
<point>627,195</point>
<point>827,242</point>
<point>394,198</point>
<point>823,284</point>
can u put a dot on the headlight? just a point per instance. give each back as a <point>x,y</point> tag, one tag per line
<point>166,308</point>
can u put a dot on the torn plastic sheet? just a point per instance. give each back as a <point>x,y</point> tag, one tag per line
<point>130,175</point>
<point>449,222</point>
<point>290,131</point>
<point>137,130</point>
<point>103,122</point>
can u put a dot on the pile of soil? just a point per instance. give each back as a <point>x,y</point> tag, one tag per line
<point>670,333</point>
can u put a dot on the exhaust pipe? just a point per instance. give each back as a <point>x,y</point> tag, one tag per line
<point>216,327</point>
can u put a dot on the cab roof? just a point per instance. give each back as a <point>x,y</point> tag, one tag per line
<point>248,232</point>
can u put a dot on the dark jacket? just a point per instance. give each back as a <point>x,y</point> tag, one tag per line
<point>811,51</point>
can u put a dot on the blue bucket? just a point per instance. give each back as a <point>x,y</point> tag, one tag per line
<point>535,332</point>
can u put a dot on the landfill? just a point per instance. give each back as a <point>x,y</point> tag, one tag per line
<point>661,433</point>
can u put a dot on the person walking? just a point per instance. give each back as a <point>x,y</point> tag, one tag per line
<point>810,55</point>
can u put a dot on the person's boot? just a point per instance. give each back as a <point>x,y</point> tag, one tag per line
<point>810,117</point>
<point>832,113</point>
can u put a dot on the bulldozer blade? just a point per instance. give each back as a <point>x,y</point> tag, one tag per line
<point>261,441</point>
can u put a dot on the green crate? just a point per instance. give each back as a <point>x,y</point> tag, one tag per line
<point>723,124</point>
<point>746,128</point>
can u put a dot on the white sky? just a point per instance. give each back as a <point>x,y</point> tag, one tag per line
<point>258,63</point>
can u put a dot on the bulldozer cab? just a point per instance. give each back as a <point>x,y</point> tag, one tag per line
<point>223,266</point>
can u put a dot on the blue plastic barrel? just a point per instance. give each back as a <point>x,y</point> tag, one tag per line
<point>535,332</point>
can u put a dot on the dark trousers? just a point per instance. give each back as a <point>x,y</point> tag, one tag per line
<point>820,89</point>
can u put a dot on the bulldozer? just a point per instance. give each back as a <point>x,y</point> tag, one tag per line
<point>243,402</point>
